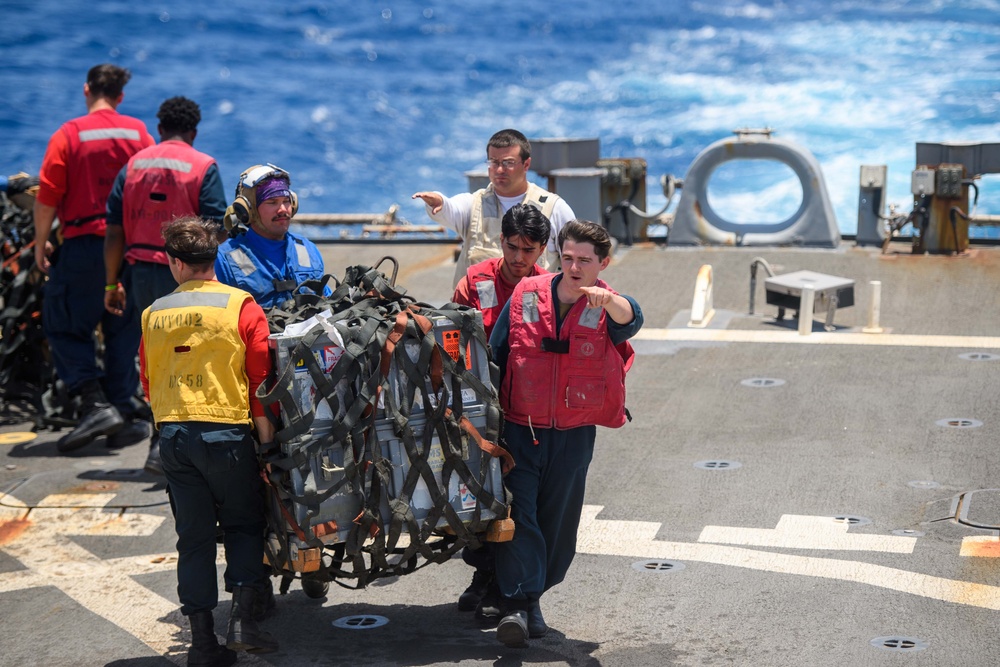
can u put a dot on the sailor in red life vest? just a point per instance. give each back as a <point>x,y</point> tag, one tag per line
<point>487,286</point>
<point>562,347</point>
<point>161,183</point>
<point>80,165</point>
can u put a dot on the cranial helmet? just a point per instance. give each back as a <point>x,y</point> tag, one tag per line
<point>242,213</point>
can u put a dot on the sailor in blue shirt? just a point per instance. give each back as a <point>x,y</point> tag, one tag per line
<point>268,261</point>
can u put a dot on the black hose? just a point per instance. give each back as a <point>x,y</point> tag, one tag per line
<point>624,205</point>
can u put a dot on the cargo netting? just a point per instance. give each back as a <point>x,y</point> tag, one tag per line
<point>386,458</point>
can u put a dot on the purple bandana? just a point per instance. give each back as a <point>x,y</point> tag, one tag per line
<point>272,187</point>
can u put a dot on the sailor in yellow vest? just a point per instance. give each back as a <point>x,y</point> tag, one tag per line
<point>476,216</point>
<point>203,354</point>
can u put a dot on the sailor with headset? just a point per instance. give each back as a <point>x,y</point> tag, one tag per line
<point>267,260</point>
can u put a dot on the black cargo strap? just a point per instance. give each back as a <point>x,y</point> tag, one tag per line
<point>380,327</point>
<point>286,285</point>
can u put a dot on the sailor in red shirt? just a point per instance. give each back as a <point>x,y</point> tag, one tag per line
<point>80,165</point>
<point>487,286</point>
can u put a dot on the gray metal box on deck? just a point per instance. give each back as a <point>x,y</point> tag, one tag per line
<point>785,290</point>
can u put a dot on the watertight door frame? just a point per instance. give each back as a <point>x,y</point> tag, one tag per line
<point>697,223</point>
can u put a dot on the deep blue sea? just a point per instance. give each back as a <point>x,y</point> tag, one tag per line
<point>367,102</point>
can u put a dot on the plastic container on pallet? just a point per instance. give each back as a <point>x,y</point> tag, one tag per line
<point>484,468</point>
<point>327,353</point>
<point>448,337</point>
<point>332,521</point>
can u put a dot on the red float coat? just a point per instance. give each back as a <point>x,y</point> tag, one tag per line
<point>486,290</point>
<point>80,166</point>
<point>567,378</point>
<point>162,182</point>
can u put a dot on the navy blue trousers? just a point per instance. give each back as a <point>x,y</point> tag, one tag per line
<point>214,478</point>
<point>548,484</point>
<point>73,307</point>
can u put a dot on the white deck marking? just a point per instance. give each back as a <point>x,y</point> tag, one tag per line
<point>105,587</point>
<point>807,532</point>
<point>816,338</point>
<point>637,539</point>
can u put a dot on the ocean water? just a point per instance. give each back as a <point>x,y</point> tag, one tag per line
<point>367,102</point>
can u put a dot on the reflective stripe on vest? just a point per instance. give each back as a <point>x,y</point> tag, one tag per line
<point>99,145</point>
<point>109,133</point>
<point>242,260</point>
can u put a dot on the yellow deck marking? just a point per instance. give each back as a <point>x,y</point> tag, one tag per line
<point>637,539</point>
<point>17,437</point>
<point>817,338</point>
<point>808,532</point>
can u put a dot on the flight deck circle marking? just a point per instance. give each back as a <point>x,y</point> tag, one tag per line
<point>899,644</point>
<point>17,437</point>
<point>360,622</point>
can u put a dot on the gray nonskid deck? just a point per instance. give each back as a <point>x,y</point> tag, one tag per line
<point>678,563</point>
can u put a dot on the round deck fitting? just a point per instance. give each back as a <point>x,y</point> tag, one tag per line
<point>717,465</point>
<point>360,622</point>
<point>658,566</point>
<point>899,644</point>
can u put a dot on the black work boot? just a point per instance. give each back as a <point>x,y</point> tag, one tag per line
<point>205,649</point>
<point>264,604</point>
<point>98,418</point>
<point>134,430</point>
<point>153,464</point>
<point>470,597</point>
<point>244,635</point>
<point>512,631</point>
<point>489,605</point>
<point>536,623</point>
